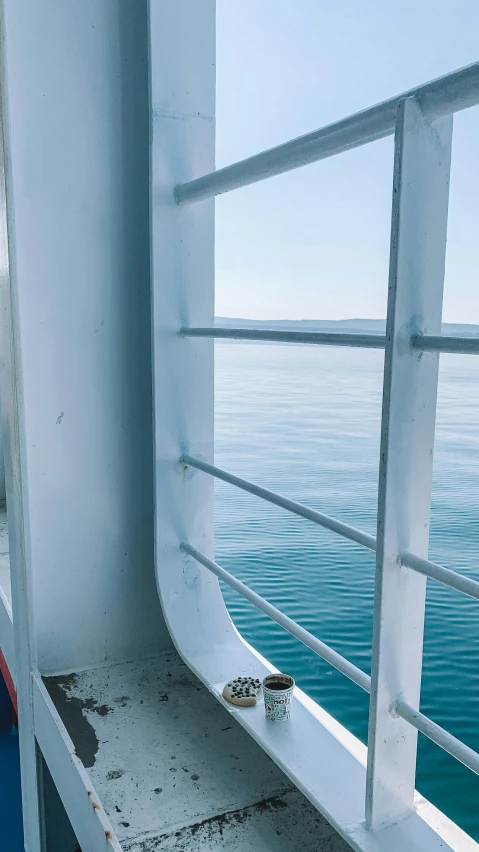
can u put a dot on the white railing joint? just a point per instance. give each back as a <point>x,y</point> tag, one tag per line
<point>445,343</point>
<point>453,579</point>
<point>456,748</point>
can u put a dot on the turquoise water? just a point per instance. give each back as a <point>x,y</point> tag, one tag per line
<point>305,421</point>
<point>11,831</point>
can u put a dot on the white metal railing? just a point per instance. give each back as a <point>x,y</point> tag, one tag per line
<point>456,581</point>
<point>444,575</point>
<point>448,94</point>
<point>420,342</point>
<point>320,648</point>
<point>291,505</point>
<point>318,338</point>
<point>449,578</point>
<point>421,121</point>
<point>438,735</point>
<point>443,343</point>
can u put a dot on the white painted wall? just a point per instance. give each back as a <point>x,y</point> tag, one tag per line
<point>2,464</point>
<point>77,135</point>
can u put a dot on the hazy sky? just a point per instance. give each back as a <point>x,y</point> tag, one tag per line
<point>314,243</point>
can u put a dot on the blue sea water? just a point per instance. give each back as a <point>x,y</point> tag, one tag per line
<point>305,421</point>
<point>11,830</point>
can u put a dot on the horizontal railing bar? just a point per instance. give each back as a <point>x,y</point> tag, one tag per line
<point>450,93</point>
<point>450,578</point>
<point>317,338</point>
<point>324,651</point>
<point>423,342</point>
<point>319,518</point>
<point>443,343</point>
<point>438,735</point>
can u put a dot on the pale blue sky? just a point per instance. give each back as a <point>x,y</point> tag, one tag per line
<point>314,243</point>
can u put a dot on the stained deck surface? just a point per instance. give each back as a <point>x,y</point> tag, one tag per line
<point>175,771</point>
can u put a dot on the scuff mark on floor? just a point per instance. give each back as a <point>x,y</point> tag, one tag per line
<point>208,830</point>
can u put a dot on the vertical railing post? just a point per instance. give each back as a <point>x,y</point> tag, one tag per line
<point>416,278</point>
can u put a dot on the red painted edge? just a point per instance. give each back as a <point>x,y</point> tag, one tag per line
<point>10,686</point>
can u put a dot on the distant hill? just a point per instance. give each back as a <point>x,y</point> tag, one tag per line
<point>354,326</point>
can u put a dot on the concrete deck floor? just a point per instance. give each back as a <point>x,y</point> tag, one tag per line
<point>175,771</point>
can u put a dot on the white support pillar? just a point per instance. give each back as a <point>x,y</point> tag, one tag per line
<point>12,447</point>
<point>182,62</point>
<point>75,351</point>
<point>416,277</point>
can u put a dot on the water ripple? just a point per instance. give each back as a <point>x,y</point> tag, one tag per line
<point>305,421</point>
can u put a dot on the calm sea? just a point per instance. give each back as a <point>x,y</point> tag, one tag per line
<point>305,421</point>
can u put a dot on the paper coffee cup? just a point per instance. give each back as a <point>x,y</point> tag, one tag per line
<point>278,696</point>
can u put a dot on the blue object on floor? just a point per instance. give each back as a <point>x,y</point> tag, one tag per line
<point>11,829</point>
